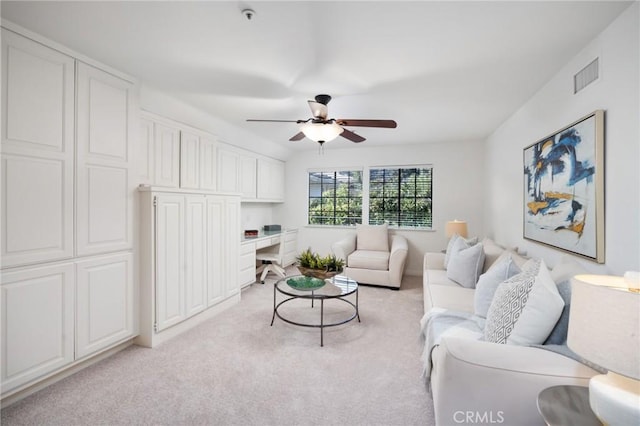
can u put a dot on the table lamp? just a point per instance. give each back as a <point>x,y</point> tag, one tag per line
<point>456,227</point>
<point>604,328</point>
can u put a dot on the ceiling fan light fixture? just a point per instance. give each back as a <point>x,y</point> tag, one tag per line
<point>324,132</point>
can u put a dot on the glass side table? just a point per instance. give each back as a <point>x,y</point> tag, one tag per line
<point>566,405</point>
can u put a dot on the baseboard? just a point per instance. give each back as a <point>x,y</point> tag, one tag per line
<point>22,392</point>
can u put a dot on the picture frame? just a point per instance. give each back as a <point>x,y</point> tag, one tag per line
<point>564,189</point>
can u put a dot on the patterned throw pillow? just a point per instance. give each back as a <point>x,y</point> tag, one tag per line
<point>508,303</point>
<point>525,308</point>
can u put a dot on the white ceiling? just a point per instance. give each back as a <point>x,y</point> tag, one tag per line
<point>444,70</point>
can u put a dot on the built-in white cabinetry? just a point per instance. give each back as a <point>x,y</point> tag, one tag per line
<point>189,160</point>
<point>37,152</point>
<point>228,170</point>
<point>291,247</point>
<point>166,154</point>
<point>189,258</point>
<point>169,253</point>
<point>67,215</point>
<point>232,246</point>
<point>237,172</point>
<point>208,166</point>
<point>146,152</point>
<point>196,254</point>
<point>256,178</point>
<point>247,263</point>
<point>247,177</point>
<point>106,302</point>
<point>104,185</point>
<point>216,246</point>
<point>37,323</point>
<point>270,180</point>
<point>175,155</point>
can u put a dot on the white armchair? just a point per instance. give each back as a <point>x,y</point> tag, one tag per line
<point>372,256</point>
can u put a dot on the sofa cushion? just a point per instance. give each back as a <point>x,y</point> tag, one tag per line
<point>470,242</point>
<point>525,308</point>
<point>449,296</point>
<point>465,263</point>
<point>503,269</point>
<point>372,237</point>
<point>369,259</point>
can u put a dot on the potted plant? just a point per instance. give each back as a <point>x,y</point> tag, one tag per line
<point>313,265</point>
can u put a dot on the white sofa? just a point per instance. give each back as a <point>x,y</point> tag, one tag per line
<point>373,256</point>
<point>487,382</point>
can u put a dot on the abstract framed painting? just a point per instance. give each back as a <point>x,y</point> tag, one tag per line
<point>564,189</point>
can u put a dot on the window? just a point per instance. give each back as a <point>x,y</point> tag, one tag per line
<point>335,198</point>
<point>400,196</point>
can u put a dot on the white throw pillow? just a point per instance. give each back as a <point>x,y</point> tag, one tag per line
<point>525,308</point>
<point>465,263</point>
<point>470,242</point>
<point>503,269</point>
<point>372,237</point>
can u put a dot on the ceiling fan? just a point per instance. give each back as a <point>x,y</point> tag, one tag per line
<point>321,129</point>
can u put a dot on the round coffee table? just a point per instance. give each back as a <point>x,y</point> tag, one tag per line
<point>301,287</point>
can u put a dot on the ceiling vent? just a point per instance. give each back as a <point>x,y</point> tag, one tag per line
<point>586,76</point>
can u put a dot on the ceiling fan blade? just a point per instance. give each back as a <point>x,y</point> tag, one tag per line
<point>348,134</point>
<point>298,136</point>
<point>278,121</point>
<point>390,124</point>
<point>318,110</point>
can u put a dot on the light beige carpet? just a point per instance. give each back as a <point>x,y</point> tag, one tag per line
<point>237,370</point>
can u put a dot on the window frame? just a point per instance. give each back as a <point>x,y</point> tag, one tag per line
<point>399,198</point>
<point>335,172</point>
<point>366,194</point>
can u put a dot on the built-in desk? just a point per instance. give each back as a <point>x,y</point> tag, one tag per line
<point>249,246</point>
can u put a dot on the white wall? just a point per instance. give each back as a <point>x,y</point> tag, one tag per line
<point>554,107</point>
<point>457,191</point>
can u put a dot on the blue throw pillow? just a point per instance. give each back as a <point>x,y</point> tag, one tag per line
<point>558,335</point>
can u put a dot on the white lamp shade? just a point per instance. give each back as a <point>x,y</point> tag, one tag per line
<point>604,323</point>
<point>456,227</point>
<point>321,132</point>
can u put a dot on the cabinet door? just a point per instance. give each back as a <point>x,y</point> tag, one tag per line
<point>104,185</point>
<point>170,229</point>
<point>291,247</point>
<point>216,252</point>
<point>196,254</point>
<point>105,302</point>
<point>208,164</point>
<point>270,180</point>
<point>146,153</point>
<point>247,264</point>
<point>247,177</point>
<point>228,171</point>
<point>37,152</point>
<point>167,155</point>
<point>189,160</point>
<point>37,323</point>
<point>232,245</point>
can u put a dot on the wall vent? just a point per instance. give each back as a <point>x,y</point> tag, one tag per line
<point>586,76</point>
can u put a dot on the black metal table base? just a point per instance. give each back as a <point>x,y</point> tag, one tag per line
<point>322,325</point>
